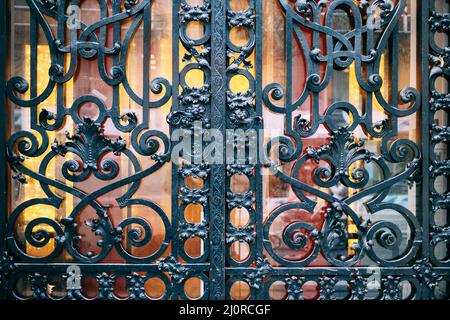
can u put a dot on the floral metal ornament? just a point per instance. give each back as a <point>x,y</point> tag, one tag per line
<point>240,200</point>
<point>188,230</point>
<point>328,199</point>
<point>439,234</point>
<point>198,171</point>
<point>136,287</point>
<point>90,145</point>
<point>195,13</point>
<point>106,285</point>
<point>176,270</point>
<point>246,234</point>
<point>327,288</point>
<point>39,284</point>
<point>295,287</point>
<point>342,152</point>
<point>425,273</point>
<point>7,267</point>
<point>242,108</point>
<point>359,287</point>
<point>196,196</point>
<point>194,101</point>
<point>241,18</point>
<point>257,275</point>
<point>241,169</point>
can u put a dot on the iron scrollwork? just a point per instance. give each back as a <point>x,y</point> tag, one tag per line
<point>342,162</point>
<point>344,241</point>
<point>87,150</point>
<point>439,57</point>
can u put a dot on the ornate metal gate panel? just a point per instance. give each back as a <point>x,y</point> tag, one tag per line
<point>333,177</point>
<point>345,244</point>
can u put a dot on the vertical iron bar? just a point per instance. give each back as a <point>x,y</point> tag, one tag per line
<point>146,62</point>
<point>176,212</point>
<point>33,68</point>
<point>258,177</point>
<point>393,83</point>
<point>424,73</point>
<point>175,84</point>
<point>218,107</point>
<point>288,44</point>
<point>445,123</point>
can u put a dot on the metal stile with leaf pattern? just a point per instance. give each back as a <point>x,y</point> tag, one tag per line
<point>359,242</point>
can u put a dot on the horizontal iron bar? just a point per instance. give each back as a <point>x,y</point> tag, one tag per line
<point>110,267</point>
<point>337,271</point>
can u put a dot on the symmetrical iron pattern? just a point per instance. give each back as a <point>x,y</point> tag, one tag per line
<point>242,117</point>
<point>439,130</point>
<point>352,258</point>
<point>88,144</point>
<point>218,86</point>
<point>344,160</point>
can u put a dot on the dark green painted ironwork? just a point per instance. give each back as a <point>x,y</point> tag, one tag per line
<point>216,106</point>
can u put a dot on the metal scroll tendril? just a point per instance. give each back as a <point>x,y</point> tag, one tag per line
<point>87,151</point>
<point>339,159</point>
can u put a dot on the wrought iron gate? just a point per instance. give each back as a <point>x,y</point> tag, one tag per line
<point>345,235</point>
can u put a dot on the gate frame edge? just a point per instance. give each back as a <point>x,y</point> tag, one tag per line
<point>423,28</point>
